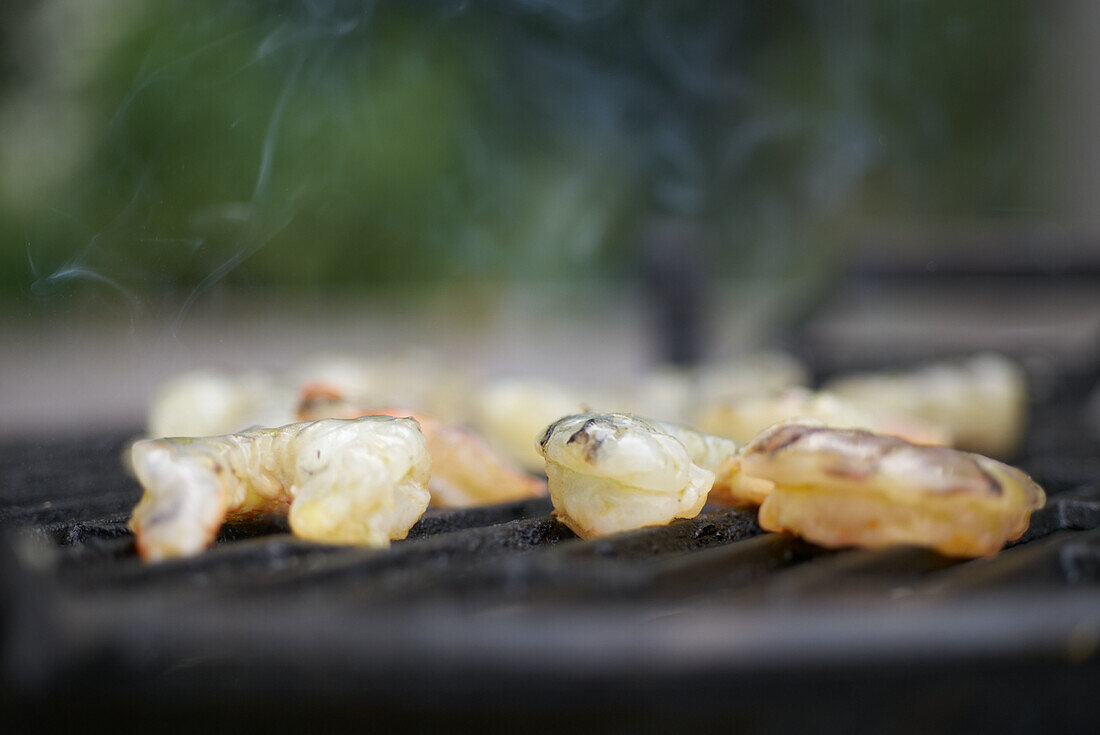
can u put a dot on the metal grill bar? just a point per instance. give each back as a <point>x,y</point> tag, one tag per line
<point>504,599</point>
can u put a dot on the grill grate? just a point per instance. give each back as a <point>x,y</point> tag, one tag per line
<point>493,613</point>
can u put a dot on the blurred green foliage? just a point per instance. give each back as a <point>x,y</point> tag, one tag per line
<point>176,145</point>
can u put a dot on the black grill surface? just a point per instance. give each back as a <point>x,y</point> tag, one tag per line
<point>500,618</point>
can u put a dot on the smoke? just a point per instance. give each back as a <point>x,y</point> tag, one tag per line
<point>264,217</point>
<point>81,267</point>
<point>119,248</point>
<point>320,141</point>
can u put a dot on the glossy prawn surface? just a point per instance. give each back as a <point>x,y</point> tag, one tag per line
<point>359,481</point>
<point>758,373</point>
<point>746,417</point>
<point>413,379</point>
<point>512,412</point>
<point>981,401</point>
<point>743,418</point>
<point>209,403</point>
<point>615,472</point>
<point>212,402</point>
<point>677,393</point>
<point>466,471</point>
<point>840,487</point>
<point>706,450</point>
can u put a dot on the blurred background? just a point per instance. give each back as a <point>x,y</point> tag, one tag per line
<point>546,186</point>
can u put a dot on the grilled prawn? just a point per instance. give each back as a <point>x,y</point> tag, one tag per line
<point>706,450</point>
<point>615,472</point>
<point>410,378</point>
<point>743,418</point>
<point>981,401</point>
<point>465,469</point>
<point>853,488</point>
<point>511,414</point>
<point>206,403</point>
<point>675,393</point>
<point>360,481</point>
<point>753,374</point>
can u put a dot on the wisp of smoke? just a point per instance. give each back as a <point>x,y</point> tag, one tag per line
<point>364,141</point>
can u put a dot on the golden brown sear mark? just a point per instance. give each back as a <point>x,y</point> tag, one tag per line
<point>858,455</point>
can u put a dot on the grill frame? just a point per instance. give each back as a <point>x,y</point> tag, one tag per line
<point>498,617</point>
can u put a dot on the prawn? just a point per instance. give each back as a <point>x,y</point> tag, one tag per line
<point>676,393</point>
<point>615,472</point>
<point>981,401</point>
<point>466,471</point>
<point>743,418</point>
<point>840,487</point>
<point>513,412</point>
<point>208,403</point>
<point>359,481</point>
